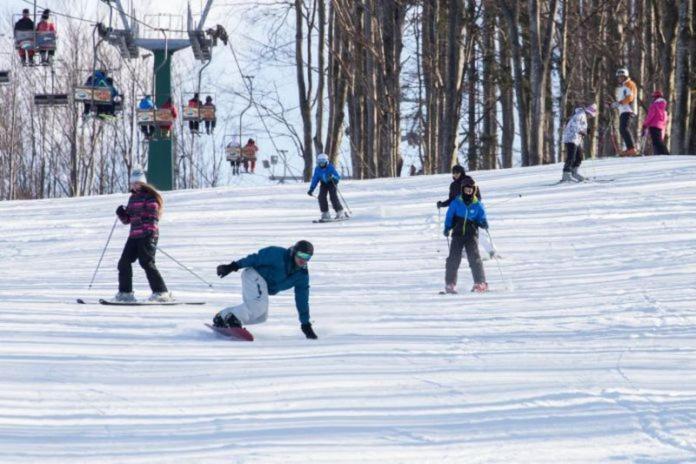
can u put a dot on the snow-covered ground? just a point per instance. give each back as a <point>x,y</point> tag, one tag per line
<point>584,350</point>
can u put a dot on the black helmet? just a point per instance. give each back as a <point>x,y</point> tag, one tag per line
<point>303,246</point>
<point>468,182</point>
<point>458,169</point>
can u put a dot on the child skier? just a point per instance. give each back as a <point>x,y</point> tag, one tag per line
<point>458,177</point>
<point>142,213</point>
<point>268,272</point>
<point>655,123</point>
<point>464,216</point>
<point>574,131</point>
<point>327,175</point>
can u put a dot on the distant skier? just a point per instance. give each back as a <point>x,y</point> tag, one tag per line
<point>626,94</point>
<point>655,123</point>
<point>574,131</point>
<point>326,175</point>
<point>268,272</point>
<point>143,213</point>
<point>455,189</point>
<point>464,217</point>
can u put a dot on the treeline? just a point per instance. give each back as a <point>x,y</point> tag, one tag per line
<point>483,82</point>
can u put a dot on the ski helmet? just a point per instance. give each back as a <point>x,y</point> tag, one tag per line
<point>468,183</point>
<point>303,246</point>
<point>322,159</point>
<point>137,175</point>
<point>458,169</point>
<point>591,110</point>
<point>622,72</point>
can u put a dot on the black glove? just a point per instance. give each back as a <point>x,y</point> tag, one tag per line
<point>121,211</point>
<point>440,204</point>
<point>447,231</point>
<point>484,225</point>
<point>308,331</point>
<point>224,269</point>
<point>310,193</point>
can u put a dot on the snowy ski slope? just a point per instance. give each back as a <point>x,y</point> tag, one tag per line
<point>584,353</point>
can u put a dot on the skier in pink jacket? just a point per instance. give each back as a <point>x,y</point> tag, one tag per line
<point>655,123</point>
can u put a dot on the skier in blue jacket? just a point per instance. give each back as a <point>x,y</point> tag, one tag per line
<point>146,104</point>
<point>268,272</point>
<point>327,176</point>
<point>464,216</point>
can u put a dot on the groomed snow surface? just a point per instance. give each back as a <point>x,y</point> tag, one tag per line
<point>584,350</point>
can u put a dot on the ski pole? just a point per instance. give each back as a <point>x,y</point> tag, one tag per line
<point>345,203</point>
<point>94,276</point>
<point>497,261</point>
<point>184,267</point>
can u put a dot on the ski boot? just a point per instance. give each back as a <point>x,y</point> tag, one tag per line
<point>161,297</point>
<point>576,175</point>
<point>325,216</point>
<point>125,297</point>
<point>567,177</point>
<point>451,289</point>
<point>341,215</point>
<point>480,287</point>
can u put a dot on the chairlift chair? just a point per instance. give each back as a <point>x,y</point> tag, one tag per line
<point>37,41</point>
<point>4,77</point>
<point>51,99</point>
<point>233,150</point>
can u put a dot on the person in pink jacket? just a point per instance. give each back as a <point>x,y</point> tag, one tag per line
<point>655,123</point>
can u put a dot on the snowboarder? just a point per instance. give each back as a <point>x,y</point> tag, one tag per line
<point>655,123</point>
<point>458,177</point>
<point>143,213</point>
<point>268,272</point>
<point>24,24</point>
<point>626,94</point>
<point>574,131</point>
<point>326,175</point>
<point>464,217</point>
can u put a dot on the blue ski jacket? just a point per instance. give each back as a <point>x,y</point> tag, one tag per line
<point>277,266</point>
<point>459,213</point>
<point>324,175</point>
<point>146,104</point>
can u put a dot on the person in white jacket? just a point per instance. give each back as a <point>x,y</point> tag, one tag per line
<point>626,94</point>
<point>573,133</point>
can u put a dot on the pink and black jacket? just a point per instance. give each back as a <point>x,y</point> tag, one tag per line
<point>142,213</point>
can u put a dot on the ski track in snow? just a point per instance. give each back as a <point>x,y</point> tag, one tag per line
<point>585,352</point>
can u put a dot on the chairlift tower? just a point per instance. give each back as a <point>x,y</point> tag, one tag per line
<point>160,165</point>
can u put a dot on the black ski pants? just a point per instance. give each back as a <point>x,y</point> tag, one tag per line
<point>470,244</point>
<point>659,147</point>
<point>624,123</point>
<point>142,249</point>
<point>574,157</point>
<point>329,189</point>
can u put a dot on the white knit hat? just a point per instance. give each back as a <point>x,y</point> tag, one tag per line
<point>138,175</point>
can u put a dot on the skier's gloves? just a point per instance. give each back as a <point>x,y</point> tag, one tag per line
<point>308,331</point>
<point>447,231</point>
<point>121,211</point>
<point>224,269</point>
<point>484,225</point>
<point>310,193</point>
<point>440,204</point>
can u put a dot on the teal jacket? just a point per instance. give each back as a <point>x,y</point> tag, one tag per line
<point>277,267</point>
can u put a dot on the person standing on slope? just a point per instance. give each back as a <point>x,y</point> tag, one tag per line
<point>143,213</point>
<point>267,272</point>
<point>326,175</point>
<point>574,131</point>
<point>626,94</point>
<point>655,123</point>
<point>464,217</point>
<point>455,189</point>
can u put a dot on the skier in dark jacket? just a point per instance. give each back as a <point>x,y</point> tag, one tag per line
<point>326,176</point>
<point>458,177</point>
<point>464,216</point>
<point>25,24</point>
<point>142,213</point>
<point>269,272</point>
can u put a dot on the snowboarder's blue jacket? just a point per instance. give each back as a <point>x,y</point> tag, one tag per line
<point>277,266</point>
<point>323,175</point>
<point>473,212</point>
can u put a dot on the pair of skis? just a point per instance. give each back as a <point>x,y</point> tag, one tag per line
<point>233,333</point>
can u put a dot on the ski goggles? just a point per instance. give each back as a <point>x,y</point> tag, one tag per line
<point>303,256</point>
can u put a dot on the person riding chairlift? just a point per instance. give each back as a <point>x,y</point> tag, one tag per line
<point>23,25</point>
<point>195,102</point>
<point>146,104</point>
<point>46,25</point>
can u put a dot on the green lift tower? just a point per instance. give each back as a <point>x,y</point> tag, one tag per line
<point>160,165</point>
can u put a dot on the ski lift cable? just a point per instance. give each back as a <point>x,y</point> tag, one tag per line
<point>248,87</point>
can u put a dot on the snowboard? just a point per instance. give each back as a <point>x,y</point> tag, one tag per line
<point>143,303</point>
<point>234,333</point>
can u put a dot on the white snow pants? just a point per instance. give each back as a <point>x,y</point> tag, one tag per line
<point>254,309</point>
